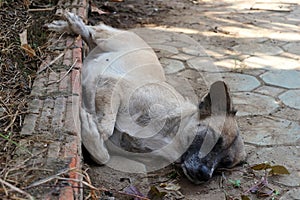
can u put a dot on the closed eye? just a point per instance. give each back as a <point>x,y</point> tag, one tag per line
<point>226,162</point>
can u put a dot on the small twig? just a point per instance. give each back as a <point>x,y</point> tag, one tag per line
<point>45,180</point>
<point>16,189</point>
<point>92,193</point>
<point>12,121</point>
<point>52,62</point>
<point>5,190</point>
<point>5,105</point>
<point>20,113</point>
<point>40,9</point>
<point>59,38</point>
<point>64,74</point>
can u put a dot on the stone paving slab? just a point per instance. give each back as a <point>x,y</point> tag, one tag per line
<point>237,82</point>
<point>268,131</point>
<point>251,104</point>
<point>291,98</point>
<point>283,78</point>
<point>272,62</point>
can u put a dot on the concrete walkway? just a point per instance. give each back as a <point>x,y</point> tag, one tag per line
<point>254,47</point>
<point>257,53</point>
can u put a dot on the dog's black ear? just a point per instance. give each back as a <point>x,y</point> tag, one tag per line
<point>217,102</point>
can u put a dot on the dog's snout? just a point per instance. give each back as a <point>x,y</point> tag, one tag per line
<point>199,174</point>
<point>196,170</point>
<point>204,173</point>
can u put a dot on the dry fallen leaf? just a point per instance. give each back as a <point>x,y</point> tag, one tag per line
<point>261,166</point>
<point>155,194</point>
<point>24,44</point>
<point>278,169</point>
<point>244,197</point>
<point>94,9</point>
<point>170,186</point>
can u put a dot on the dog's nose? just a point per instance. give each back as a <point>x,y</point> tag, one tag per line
<point>204,173</point>
<point>198,174</point>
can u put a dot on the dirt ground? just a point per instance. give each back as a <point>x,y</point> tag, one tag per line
<point>17,72</point>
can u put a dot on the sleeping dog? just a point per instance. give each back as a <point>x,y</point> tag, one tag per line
<point>129,109</point>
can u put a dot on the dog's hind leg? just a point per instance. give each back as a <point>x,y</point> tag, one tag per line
<point>92,139</point>
<point>98,117</point>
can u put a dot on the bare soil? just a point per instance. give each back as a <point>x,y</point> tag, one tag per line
<point>17,73</point>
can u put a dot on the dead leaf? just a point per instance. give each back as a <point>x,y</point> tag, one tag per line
<point>27,3</point>
<point>261,166</point>
<point>133,190</point>
<point>94,9</point>
<point>278,169</point>
<point>155,194</point>
<point>24,44</point>
<point>170,186</point>
<point>265,192</point>
<point>244,197</point>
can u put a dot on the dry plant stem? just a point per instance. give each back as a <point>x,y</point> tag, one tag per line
<point>11,115</point>
<point>12,121</point>
<point>41,9</point>
<point>21,165</point>
<point>263,182</point>
<point>5,190</point>
<point>92,192</point>
<point>45,180</point>
<point>4,104</point>
<point>16,189</point>
<point>51,63</point>
<point>64,74</point>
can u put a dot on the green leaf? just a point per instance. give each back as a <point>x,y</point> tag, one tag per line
<point>278,169</point>
<point>261,166</point>
<point>244,197</point>
<point>235,183</point>
<point>276,192</point>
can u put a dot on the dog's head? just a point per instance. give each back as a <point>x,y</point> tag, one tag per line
<point>217,142</point>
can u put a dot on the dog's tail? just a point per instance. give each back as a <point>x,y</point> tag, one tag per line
<point>73,24</point>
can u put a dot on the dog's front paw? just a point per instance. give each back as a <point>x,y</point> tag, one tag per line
<point>58,26</point>
<point>75,23</point>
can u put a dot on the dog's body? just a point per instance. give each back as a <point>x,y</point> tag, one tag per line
<point>127,104</point>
